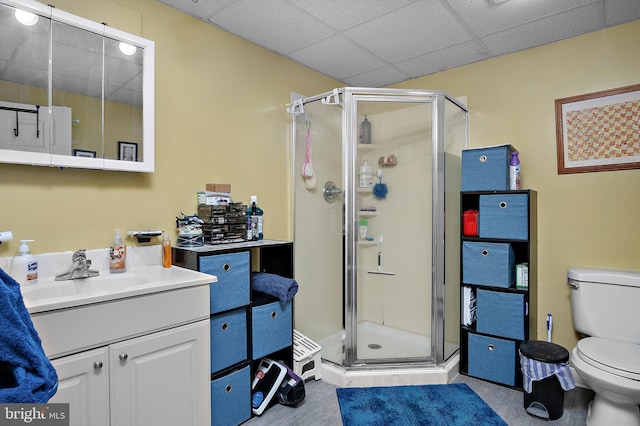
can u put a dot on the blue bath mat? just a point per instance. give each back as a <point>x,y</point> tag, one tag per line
<point>433,405</point>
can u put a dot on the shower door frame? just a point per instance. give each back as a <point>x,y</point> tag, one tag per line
<point>347,98</point>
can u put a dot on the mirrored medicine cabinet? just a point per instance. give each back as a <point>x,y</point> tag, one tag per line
<point>73,93</point>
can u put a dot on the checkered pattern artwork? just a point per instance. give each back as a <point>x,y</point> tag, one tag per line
<point>610,131</point>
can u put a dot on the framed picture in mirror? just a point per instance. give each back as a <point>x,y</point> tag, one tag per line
<point>128,151</point>
<point>84,153</point>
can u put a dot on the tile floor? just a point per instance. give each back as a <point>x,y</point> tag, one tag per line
<point>320,407</point>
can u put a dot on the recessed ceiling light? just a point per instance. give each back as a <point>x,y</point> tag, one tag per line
<point>127,48</point>
<point>26,18</point>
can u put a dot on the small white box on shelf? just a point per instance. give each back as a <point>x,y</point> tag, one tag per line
<point>307,360</point>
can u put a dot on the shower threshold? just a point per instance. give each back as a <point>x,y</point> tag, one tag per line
<point>391,374</point>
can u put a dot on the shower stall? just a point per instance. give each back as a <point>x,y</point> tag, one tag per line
<point>377,253</point>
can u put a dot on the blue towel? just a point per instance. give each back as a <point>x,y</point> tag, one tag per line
<point>274,285</point>
<point>26,374</point>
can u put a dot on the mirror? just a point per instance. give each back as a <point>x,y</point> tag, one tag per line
<point>92,108</point>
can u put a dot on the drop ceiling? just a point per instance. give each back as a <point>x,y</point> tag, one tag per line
<point>374,43</point>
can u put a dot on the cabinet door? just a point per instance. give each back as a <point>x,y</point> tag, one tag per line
<point>83,383</point>
<point>161,379</point>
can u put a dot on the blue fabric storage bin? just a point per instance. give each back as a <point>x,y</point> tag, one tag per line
<point>501,314</point>
<point>504,216</point>
<point>272,328</point>
<point>486,169</point>
<point>228,339</point>
<point>491,358</point>
<point>233,285</point>
<point>490,264</point>
<point>231,398</point>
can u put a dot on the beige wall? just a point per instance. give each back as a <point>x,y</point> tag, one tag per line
<point>220,117</point>
<point>586,219</point>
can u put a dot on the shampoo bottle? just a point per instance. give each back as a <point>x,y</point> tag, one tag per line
<point>166,251</point>
<point>24,266</point>
<point>366,175</point>
<point>256,219</point>
<point>118,254</point>
<point>514,171</point>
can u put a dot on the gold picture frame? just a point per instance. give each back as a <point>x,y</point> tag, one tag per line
<point>599,131</point>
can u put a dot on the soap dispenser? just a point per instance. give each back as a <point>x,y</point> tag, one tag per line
<point>118,254</point>
<point>24,266</point>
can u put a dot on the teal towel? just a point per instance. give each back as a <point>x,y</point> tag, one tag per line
<point>26,374</point>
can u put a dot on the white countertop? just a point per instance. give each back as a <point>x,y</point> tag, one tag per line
<point>144,275</point>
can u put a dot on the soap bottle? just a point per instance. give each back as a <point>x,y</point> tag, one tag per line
<point>24,266</point>
<point>514,171</point>
<point>118,254</point>
<point>365,131</point>
<point>166,251</point>
<point>255,219</point>
<point>366,175</point>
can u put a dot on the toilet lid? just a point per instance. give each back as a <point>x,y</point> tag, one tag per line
<point>613,356</point>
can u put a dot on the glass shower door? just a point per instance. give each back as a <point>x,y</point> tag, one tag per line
<point>393,211</point>
<point>318,226</point>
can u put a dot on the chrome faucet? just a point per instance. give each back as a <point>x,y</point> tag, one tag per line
<point>80,268</point>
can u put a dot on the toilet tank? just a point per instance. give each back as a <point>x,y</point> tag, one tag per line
<point>606,303</point>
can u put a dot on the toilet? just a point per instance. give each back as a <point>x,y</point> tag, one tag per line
<point>605,306</point>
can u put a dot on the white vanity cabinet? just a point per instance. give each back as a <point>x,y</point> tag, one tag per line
<point>149,380</point>
<point>157,379</point>
<point>83,382</point>
<point>134,361</point>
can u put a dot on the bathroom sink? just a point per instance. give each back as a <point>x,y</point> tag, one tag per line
<point>49,294</point>
<point>49,289</point>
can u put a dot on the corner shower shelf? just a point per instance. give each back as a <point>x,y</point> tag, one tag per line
<point>367,147</point>
<point>367,243</point>
<point>367,214</point>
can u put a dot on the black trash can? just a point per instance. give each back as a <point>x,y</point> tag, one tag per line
<point>546,399</point>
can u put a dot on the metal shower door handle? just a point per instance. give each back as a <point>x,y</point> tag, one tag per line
<point>330,192</point>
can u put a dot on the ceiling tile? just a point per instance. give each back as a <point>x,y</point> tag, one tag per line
<point>392,39</point>
<point>273,24</point>
<point>619,11</point>
<point>337,57</point>
<point>349,13</point>
<point>202,9</point>
<point>556,27</point>
<point>484,18</point>
<point>376,78</point>
<point>460,54</point>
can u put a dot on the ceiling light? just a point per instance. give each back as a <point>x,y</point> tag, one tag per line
<point>26,18</point>
<point>127,48</point>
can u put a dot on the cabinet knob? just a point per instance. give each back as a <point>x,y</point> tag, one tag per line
<point>274,314</point>
<point>228,388</point>
<point>503,204</point>
<point>485,252</point>
<point>226,267</point>
<point>224,326</point>
<point>490,347</point>
<point>123,357</point>
<point>97,365</point>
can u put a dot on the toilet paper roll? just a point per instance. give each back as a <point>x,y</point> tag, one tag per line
<point>6,236</point>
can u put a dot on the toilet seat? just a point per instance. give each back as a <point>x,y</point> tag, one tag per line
<point>612,356</point>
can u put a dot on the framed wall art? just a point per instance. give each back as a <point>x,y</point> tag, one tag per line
<point>127,151</point>
<point>599,131</point>
<point>84,153</point>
